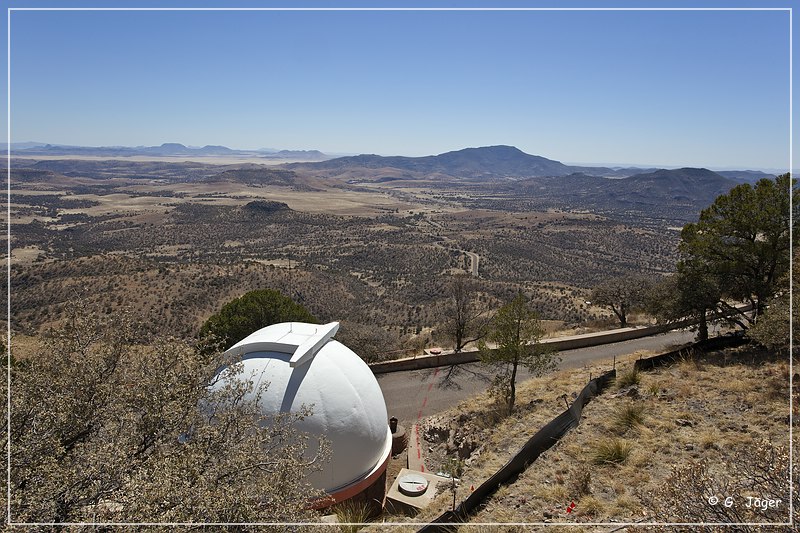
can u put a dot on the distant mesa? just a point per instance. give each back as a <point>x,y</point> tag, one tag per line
<point>169,149</point>
<point>173,146</point>
<point>265,207</point>
<point>216,150</point>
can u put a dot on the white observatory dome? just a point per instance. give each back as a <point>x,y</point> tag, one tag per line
<point>305,366</point>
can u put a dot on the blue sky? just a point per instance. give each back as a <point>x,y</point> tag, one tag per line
<point>673,88</point>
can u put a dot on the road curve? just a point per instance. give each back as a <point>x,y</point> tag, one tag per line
<point>474,260</point>
<point>415,394</point>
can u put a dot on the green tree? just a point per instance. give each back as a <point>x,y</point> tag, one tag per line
<point>737,251</point>
<point>691,293</point>
<point>772,329</point>
<point>517,332</point>
<point>622,295</point>
<point>742,242</point>
<point>250,312</point>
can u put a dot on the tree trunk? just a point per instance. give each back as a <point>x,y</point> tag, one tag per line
<point>759,308</point>
<point>702,328</point>
<point>621,315</point>
<point>513,387</point>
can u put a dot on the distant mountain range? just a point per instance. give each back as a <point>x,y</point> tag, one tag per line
<point>493,177</point>
<point>494,163</point>
<point>529,181</point>
<point>490,162</point>
<point>677,193</point>
<point>164,150</point>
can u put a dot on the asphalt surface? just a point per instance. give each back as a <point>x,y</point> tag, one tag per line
<point>473,263</point>
<point>415,394</point>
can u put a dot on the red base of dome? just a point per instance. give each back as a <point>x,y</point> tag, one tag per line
<point>375,477</point>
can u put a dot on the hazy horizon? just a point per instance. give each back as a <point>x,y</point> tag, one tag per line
<point>348,154</point>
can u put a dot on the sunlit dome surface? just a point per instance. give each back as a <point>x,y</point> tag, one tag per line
<point>304,366</point>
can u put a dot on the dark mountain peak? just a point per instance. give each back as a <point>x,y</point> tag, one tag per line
<point>499,161</point>
<point>173,146</point>
<point>690,186</point>
<point>583,175</point>
<point>686,174</point>
<point>498,149</point>
<point>745,176</point>
<point>491,153</point>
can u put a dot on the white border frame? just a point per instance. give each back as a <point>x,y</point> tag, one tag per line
<point>407,524</point>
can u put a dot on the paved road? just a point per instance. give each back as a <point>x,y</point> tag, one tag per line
<point>419,393</point>
<point>474,260</point>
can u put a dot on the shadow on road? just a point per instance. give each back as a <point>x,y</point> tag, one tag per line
<point>450,377</point>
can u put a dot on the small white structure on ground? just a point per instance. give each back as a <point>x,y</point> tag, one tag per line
<point>305,366</point>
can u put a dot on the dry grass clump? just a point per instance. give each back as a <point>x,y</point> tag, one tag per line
<point>590,506</point>
<point>350,514</point>
<point>628,416</point>
<point>709,439</point>
<point>630,377</point>
<point>777,381</point>
<point>611,451</point>
<point>689,362</point>
<point>627,505</point>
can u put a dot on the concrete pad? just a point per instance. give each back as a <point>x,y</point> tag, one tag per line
<point>399,503</point>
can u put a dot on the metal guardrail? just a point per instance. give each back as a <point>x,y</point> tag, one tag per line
<point>559,344</point>
<point>586,340</point>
